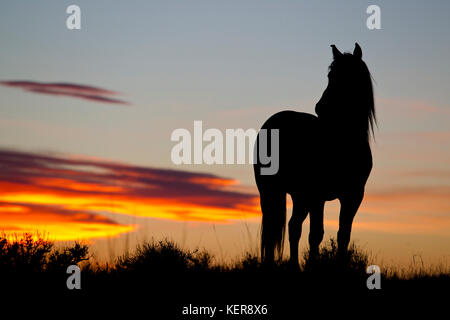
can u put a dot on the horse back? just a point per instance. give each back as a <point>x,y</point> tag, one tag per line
<point>312,159</point>
<point>298,145</point>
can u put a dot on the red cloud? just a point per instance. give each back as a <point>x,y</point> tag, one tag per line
<point>71,191</point>
<point>66,89</point>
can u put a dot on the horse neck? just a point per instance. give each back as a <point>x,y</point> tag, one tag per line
<point>345,121</point>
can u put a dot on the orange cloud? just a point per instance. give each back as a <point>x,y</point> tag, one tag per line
<point>59,223</point>
<point>410,210</point>
<point>400,210</point>
<point>66,195</point>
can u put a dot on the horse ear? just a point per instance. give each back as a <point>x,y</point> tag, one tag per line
<point>336,52</point>
<point>357,52</point>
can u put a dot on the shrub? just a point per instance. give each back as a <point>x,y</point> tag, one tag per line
<point>164,256</point>
<point>34,253</point>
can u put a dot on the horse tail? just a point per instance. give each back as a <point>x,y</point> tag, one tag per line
<point>273,207</point>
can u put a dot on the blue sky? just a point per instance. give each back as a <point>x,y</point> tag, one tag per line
<point>200,57</point>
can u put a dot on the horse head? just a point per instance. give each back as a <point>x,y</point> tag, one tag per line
<point>348,99</point>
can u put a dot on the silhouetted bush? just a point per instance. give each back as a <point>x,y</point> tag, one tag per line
<point>354,260</point>
<point>24,254</point>
<point>60,259</point>
<point>29,253</point>
<point>164,256</point>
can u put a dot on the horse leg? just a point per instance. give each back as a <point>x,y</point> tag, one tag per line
<point>273,207</point>
<point>316,228</point>
<point>299,214</point>
<point>349,206</point>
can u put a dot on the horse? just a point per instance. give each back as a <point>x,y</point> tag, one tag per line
<point>321,158</point>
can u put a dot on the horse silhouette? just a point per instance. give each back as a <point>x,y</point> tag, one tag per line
<point>321,158</point>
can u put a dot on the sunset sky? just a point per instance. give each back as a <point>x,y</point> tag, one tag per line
<point>86,118</point>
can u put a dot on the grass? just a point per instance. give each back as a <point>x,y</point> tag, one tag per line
<point>170,270</point>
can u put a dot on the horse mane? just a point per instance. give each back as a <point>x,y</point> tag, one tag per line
<point>363,92</point>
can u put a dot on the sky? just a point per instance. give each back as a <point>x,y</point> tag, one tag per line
<point>86,118</point>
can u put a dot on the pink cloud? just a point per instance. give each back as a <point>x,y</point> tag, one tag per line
<point>410,107</point>
<point>66,89</point>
